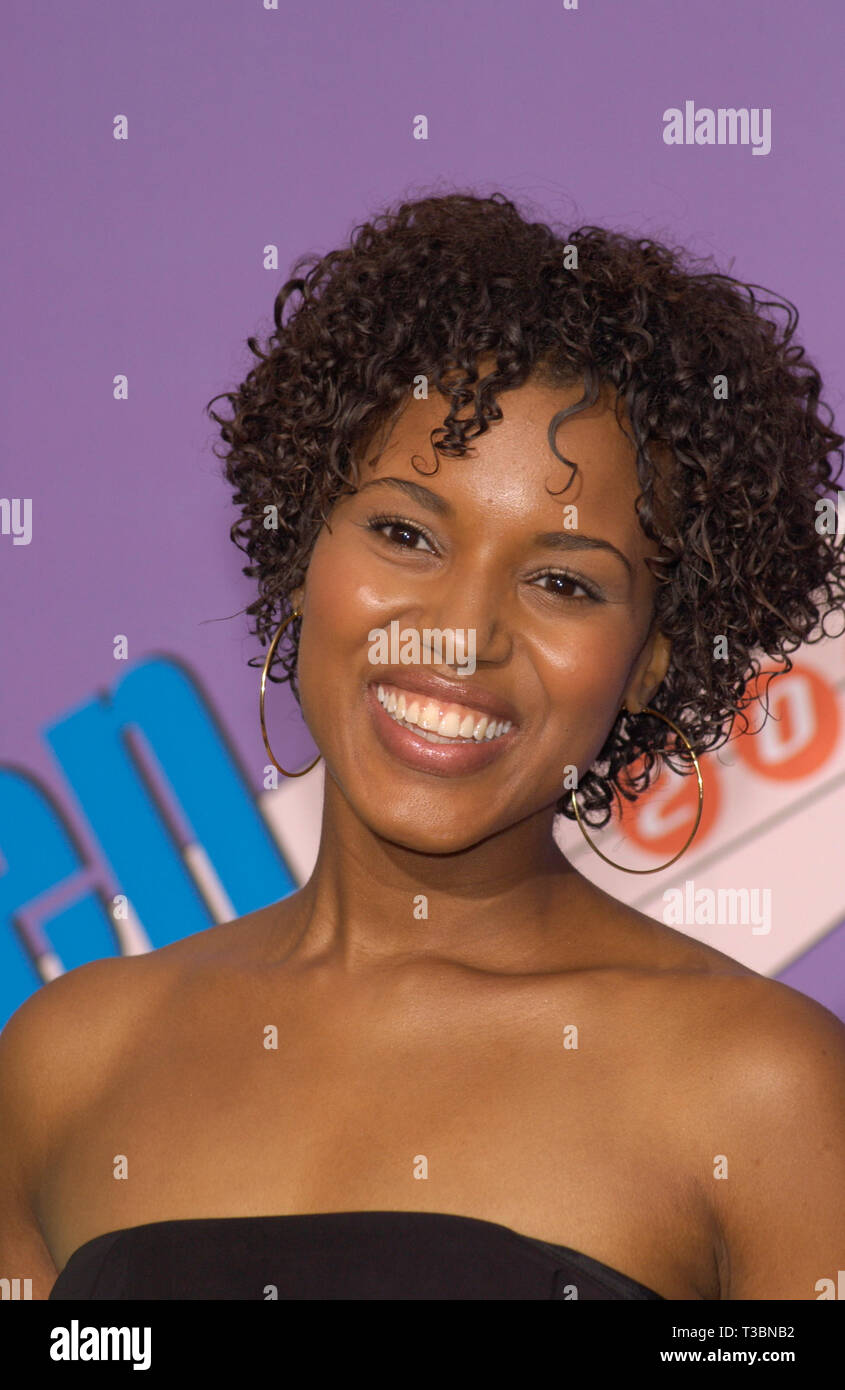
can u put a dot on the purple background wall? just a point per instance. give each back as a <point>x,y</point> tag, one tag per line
<point>250,126</point>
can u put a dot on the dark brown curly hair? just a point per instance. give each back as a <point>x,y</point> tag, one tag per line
<point>443,280</point>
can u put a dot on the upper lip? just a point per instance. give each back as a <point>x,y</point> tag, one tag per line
<point>462,692</point>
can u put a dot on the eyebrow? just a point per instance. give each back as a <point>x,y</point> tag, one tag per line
<point>551,540</point>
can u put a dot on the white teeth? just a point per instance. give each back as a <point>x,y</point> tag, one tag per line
<point>425,717</point>
<point>430,717</point>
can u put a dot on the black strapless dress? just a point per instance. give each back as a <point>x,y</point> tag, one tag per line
<point>335,1255</point>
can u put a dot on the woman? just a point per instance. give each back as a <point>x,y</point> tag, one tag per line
<point>449,1066</point>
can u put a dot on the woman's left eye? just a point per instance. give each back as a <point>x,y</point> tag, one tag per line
<point>383,524</point>
<point>569,579</point>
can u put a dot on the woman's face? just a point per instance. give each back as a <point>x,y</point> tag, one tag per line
<point>562,629</point>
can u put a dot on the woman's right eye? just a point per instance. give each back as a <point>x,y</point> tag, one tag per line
<point>405,534</point>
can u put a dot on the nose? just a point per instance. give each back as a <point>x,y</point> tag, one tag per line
<point>473,607</point>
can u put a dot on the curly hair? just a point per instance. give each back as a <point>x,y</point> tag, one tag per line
<point>432,286</point>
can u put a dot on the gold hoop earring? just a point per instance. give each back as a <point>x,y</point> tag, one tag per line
<point>270,652</point>
<point>613,864</point>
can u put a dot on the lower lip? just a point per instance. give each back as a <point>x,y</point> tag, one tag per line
<point>442,759</point>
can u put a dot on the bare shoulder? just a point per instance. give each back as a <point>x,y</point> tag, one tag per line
<point>763,1035</point>
<point>92,1012</point>
<point>762,1121</point>
<point>70,1032</point>
<point>767,1087</point>
<point>60,1043</point>
<point>751,1045</point>
<point>747,1076</point>
<point>65,1044</point>
<point>56,1050</point>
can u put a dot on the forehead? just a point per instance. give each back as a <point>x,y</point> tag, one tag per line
<point>512,466</point>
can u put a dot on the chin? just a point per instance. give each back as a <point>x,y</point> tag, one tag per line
<point>446,839</point>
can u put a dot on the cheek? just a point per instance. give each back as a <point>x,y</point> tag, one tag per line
<point>586,665</point>
<point>336,594</point>
<point>341,608</point>
<point>350,591</point>
<point>584,679</point>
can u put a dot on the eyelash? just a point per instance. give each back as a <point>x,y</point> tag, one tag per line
<point>377,523</point>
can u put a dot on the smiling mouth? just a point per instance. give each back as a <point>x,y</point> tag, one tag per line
<point>439,722</point>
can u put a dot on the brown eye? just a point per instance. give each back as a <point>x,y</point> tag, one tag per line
<point>568,581</point>
<point>404,534</point>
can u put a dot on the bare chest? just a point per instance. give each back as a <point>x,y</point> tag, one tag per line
<point>553,1127</point>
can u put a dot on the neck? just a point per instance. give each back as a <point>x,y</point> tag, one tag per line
<point>502,904</point>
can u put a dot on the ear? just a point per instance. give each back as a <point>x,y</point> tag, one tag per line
<point>648,673</point>
<point>297,596</point>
